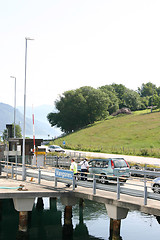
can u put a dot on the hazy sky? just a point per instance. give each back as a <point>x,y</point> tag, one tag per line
<point>77,43</point>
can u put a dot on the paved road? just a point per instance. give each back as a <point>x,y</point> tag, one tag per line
<point>135,159</point>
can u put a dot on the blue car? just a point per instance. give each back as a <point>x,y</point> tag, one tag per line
<point>109,169</point>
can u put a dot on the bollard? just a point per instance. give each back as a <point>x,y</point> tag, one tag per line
<point>118,188</point>
<point>94,184</point>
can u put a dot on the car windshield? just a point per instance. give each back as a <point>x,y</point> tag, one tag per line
<point>54,147</point>
<point>119,163</point>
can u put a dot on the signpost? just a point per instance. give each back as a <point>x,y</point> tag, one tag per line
<point>60,173</point>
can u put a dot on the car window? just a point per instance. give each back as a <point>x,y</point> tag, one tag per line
<point>119,163</point>
<point>99,164</point>
<point>92,163</point>
<point>105,164</point>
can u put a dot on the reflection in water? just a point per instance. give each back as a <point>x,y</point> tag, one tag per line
<point>81,230</point>
<point>51,220</point>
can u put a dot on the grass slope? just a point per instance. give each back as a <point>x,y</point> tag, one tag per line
<point>138,134</point>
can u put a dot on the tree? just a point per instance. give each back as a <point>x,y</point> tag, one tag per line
<point>17,132</point>
<point>113,101</point>
<point>131,99</point>
<point>78,108</point>
<point>147,89</point>
<point>120,90</point>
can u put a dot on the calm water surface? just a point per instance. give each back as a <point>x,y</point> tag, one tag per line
<point>88,222</point>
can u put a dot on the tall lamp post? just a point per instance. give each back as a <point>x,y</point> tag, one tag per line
<point>24,121</point>
<point>14,106</point>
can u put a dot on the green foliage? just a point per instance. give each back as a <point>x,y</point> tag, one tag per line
<point>18,131</point>
<point>147,89</point>
<point>78,108</point>
<point>135,134</point>
<point>113,101</point>
<point>86,105</point>
<point>131,99</point>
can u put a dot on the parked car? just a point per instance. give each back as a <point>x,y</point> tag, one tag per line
<point>55,148</point>
<point>156,185</point>
<point>109,169</point>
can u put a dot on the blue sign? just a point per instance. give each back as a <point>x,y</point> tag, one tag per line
<point>64,142</point>
<point>63,174</point>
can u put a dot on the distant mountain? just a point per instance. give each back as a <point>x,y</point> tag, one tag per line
<point>40,112</point>
<point>42,126</point>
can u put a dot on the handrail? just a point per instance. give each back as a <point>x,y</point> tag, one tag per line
<point>93,181</point>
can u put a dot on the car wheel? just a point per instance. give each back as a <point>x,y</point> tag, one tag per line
<point>103,179</point>
<point>156,188</point>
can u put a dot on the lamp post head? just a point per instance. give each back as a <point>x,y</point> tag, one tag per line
<point>13,77</point>
<point>27,38</point>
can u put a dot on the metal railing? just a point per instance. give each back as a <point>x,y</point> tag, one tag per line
<point>141,189</point>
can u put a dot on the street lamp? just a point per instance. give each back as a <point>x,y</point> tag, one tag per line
<point>24,123</point>
<point>14,106</point>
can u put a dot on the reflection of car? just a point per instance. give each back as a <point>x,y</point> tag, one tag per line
<point>110,168</point>
<point>156,185</point>
<point>55,148</point>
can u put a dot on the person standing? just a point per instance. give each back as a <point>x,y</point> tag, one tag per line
<point>73,168</point>
<point>84,168</point>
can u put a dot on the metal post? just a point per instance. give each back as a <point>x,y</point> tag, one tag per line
<point>7,164</point>
<point>55,179</point>
<point>94,184</point>
<point>145,193</point>
<point>74,182</point>
<point>24,123</point>
<point>57,161</point>
<point>12,171</point>
<point>16,164</point>
<point>118,188</point>
<point>39,175</point>
<point>145,187</point>
<point>14,107</point>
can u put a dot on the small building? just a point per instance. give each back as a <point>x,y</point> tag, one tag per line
<point>16,144</point>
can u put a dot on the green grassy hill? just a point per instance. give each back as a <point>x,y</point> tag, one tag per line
<point>138,134</point>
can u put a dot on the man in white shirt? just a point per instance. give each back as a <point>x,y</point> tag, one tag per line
<point>84,168</point>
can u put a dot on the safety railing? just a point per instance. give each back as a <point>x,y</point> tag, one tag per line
<point>133,186</point>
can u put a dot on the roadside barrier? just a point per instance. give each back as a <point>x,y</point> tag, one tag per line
<point>133,186</point>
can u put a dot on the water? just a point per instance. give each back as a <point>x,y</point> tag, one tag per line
<point>88,222</point>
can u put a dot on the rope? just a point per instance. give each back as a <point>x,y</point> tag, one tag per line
<point>10,187</point>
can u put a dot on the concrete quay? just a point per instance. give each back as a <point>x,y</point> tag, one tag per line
<point>47,189</point>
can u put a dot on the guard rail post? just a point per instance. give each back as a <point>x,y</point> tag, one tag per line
<point>145,187</point>
<point>39,175</point>
<point>25,173</point>
<point>55,181</point>
<point>118,188</point>
<point>74,182</point>
<point>57,161</point>
<point>12,171</point>
<point>94,184</point>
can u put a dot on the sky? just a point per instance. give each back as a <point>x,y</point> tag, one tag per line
<point>76,43</point>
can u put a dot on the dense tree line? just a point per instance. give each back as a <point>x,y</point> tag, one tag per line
<point>83,106</point>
